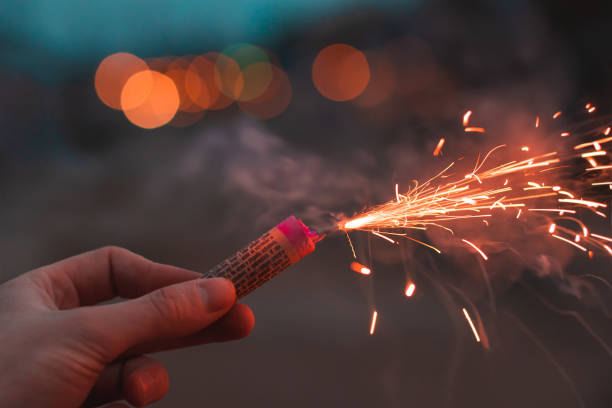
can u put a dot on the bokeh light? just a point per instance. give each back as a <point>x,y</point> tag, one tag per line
<point>179,90</point>
<point>177,71</point>
<point>340,72</point>
<point>383,81</point>
<point>149,99</point>
<point>255,68</point>
<point>200,83</point>
<point>112,74</point>
<point>274,100</point>
<point>229,79</point>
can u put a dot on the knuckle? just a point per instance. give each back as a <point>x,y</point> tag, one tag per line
<point>174,304</point>
<point>109,250</point>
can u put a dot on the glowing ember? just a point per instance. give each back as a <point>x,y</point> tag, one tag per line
<point>410,289</point>
<point>439,147</point>
<point>466,118</point>
<point>359,268</point>
<point>373,322</point>
<point>557,114</point>
<point>552,228</point>
<point>474,129</point>
<point>469,320</point>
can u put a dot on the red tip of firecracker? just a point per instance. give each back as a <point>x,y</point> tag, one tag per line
<point>299,235</point>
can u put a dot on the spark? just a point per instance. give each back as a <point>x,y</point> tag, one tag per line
<point>469,320</point>
<point>466,117</point>
<point>553,210</point>
<point>439,147</point>
<point>355,224</point>
<point>484,256</point>
<point>607,131</point>
<point>565,134</point>
<point>588,203</point>
<point>351,244</point>
<point>591,154</point>
<point>599,168</point>
<point>592,109</point>
<point>383,237</point>
<point>570,242</point>
<point>447,199</point>
<point>557,114</point>
<point>359,268</point>
<point>537,124</point>
<point>592,162</point>
<point>474,129</point>
<point>410,289</point>
<point>424,244</point>
<point>373,322</point>
<point>602,237</point>
<point>593,143</point>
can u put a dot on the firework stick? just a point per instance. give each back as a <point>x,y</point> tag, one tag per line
<point>267,256</point>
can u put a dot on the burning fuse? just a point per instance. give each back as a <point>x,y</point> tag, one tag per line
<point>267,256</point>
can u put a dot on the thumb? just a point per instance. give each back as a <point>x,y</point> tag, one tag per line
<point>170,312</point>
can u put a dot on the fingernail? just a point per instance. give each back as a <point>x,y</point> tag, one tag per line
<point>148,388</point>
<point>217,293</point>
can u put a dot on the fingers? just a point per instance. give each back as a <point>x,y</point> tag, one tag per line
<point>145,381</point>
<point>236,324</point>
<point>103,274</point>
<point>140,381</point>
<point>168,313</point>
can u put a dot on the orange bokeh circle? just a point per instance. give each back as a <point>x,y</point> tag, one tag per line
<point>178,71</point>
<point>112,74</point>
<point>274,100</point>
<point>340,72</point>
<point>149,99</point>
<point>200,83</point>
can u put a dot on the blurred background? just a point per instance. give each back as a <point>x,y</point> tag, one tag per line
<point>247,116</point>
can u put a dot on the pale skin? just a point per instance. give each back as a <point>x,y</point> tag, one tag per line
<point>59,348</point>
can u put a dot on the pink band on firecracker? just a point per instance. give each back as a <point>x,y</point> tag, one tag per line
<point>298,234</point>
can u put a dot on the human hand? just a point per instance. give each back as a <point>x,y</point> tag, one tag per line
<point>59,349</point>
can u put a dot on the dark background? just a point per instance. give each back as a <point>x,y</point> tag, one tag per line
<point>76,175</point>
